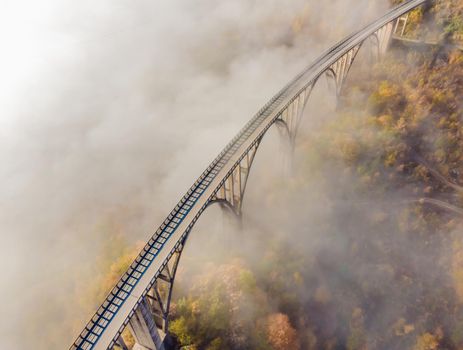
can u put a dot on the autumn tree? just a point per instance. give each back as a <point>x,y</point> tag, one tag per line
<point>281,335</point>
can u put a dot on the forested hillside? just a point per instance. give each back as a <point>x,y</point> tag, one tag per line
<point>396,281</point>
<point>385,268</point>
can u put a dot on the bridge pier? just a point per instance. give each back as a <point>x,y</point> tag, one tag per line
<point>121,343</point>
<point>384,38</point>
<point>337,73</point>
<point>290,118</point>
<point>144,330</point>
<point>400,25</point>
<point>231,192</point>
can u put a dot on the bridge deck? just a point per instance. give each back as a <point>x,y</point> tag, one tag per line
<point>113,315</point>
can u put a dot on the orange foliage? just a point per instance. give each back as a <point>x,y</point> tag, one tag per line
<point>281,334</point>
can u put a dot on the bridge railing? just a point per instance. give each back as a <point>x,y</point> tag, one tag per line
<point>103,331</point>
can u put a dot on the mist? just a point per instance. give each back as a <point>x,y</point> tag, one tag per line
<point>109,111</point>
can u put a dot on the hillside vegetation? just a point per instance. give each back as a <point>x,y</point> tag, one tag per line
<point>385,267</point>
<point>396,280</point>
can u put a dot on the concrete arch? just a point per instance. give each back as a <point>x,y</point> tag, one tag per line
<point>138,301</point>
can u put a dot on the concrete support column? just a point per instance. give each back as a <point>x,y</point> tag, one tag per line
<point>121,344</point>
<point>384,38</point>
<point>147,335</point>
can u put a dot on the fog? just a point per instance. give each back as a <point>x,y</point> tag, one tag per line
<point>110,110</point>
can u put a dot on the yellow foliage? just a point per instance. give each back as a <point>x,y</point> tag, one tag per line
<point>401,327</point>
<point>456,57</point>
<point>281,335</point>
<point>386,121</point>
<point>390,159</point>
<point>426,341</point>
<point>387,90</point>
<point>457,267</point>
<point>350,150</point>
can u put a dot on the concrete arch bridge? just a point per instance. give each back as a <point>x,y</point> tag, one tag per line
<point>141,298</point>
